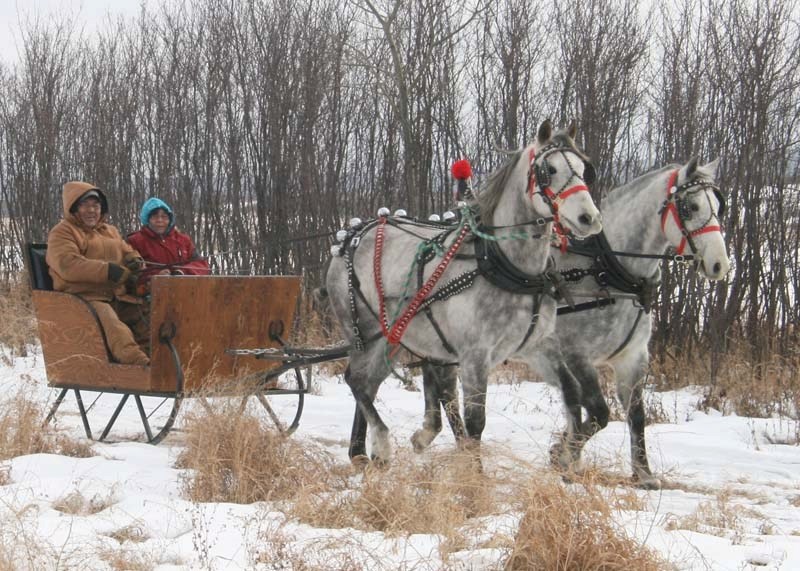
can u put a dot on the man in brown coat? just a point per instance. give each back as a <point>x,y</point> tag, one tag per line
<point>89,258</point>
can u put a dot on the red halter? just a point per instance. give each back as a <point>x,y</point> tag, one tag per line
<point>671,208</point>
<point>554,199</point>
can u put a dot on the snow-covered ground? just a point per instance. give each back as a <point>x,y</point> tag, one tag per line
<point>731,498</point>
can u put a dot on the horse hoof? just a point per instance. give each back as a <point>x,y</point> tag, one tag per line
<point>420,440</point>
<point>359,461</point>
<point>649,482</point>
<point>378,462</point>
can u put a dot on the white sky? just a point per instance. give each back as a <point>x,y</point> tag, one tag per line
<point>89,15</point>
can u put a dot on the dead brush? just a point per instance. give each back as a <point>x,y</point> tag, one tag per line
<point>315,326</point>
<point>439,494</point>
<point>740,386</point>
<point>235,456</point>
<point>22,431</point>
<point>17,322</point>
<point>722,517</point>
<point>573,529</point>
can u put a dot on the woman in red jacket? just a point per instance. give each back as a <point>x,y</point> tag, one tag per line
<point>166,251</point>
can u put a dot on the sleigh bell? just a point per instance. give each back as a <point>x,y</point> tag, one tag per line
<point>383,212</point>
<point>434,218</point>
<point>341,235</point>
<point>400,213</point>
<point>355,223</point>
<point>449,216</point>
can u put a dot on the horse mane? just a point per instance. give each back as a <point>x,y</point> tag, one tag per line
<point>492,189</point>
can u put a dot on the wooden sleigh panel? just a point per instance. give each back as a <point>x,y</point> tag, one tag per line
<point>74,347</point>
<point>209,314</point>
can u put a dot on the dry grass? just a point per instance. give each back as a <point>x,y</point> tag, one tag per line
<point>759,390</point>
<point>121,559</point>
<point>723,518</point>
<point>130,533</point>
<point>75,503</point>
<point>22,431</point>
<point>17,322</point>
<point>573,530</point>
<point>435,494</point>
<point>238,458</point>
<point>234,456</point>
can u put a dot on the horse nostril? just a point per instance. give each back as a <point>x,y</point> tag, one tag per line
<point>717,268</point>
<point>585,219</point>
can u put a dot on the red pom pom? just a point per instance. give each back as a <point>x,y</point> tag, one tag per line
<point>461,170</point>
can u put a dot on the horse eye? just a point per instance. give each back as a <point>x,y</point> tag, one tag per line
<point>551,169</point>
<point>695,207</point>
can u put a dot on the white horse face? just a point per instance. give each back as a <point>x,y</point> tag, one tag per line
<point>700,211</point>
<point>559,175</point>
<point>575,208</point>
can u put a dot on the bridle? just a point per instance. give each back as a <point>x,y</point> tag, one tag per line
<point>677,208</point>
<point>539,181</point>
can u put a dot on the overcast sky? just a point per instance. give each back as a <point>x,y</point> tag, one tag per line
<point>88,15</point>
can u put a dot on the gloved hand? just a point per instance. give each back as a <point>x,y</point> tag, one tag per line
<point>117,273</point>
<point>134,262</point>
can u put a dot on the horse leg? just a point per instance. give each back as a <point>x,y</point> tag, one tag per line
<point>439,382</point>
<point>432,422</point>
<point>550,363</point>
<point>358,434</point>
<point>448,399</point>
<point>592,397</point>
<point>365,373</point>
<point>630,382</point>
<point>474,380</point>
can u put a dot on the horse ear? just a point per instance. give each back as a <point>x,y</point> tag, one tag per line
<point>712,168</point>
<point>545,131</point>
<point>691,167</point>
<point>572,130</point>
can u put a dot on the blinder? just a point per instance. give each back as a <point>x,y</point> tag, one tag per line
<point>542,172</point>
<point>722,202</point>
<point>589,173</point>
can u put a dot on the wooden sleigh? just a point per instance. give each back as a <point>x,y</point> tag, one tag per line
<point>195,322</point>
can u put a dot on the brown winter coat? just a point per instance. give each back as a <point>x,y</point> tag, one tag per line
<point>78,256</point>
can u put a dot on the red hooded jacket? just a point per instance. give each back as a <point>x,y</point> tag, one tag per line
<point>174,252</point>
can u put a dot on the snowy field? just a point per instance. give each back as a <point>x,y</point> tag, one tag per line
<point>737,479</point>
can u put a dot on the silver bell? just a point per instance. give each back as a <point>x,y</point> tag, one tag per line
<point>355,222</point>
<point>341,235</point>
<point>336,251</point>
<point>461,204</point>
<point>434,218</point>
<point>400,213</point>
<point>449,216</point>
<point>383,211</point>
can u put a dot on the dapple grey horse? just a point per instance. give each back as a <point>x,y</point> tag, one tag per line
<point>481,324</point>
<point>677,206</point>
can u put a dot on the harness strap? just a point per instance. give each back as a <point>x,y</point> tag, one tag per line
<point>630,335</point>
<point>398,328</point>
<point>585,306</point>
<point>609,272</point>
<point>537,303</point>
<point>352,287</point>
<point>500,272</point>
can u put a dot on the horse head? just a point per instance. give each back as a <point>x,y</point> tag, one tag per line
<point>558,175</point>
<point>690,217</point>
